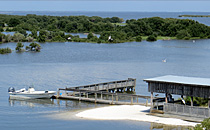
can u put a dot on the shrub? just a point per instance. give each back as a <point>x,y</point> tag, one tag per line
<point>19,46</point>
<point>35,47</point>
<point>182,34</point>
<point>151,38</point>
<point>90,35</point>
<point>205,125</point>
<point>138,38</point>
<point>5,50</point>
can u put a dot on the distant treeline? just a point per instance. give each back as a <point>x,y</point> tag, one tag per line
<point>194,15</point>
<point>53,28</point>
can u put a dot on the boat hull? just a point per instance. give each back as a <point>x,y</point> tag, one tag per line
<point>37,95</point>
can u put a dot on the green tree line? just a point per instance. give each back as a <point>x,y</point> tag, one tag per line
<point>53,28</point>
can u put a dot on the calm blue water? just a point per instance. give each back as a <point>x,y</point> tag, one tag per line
<point>72,64</point>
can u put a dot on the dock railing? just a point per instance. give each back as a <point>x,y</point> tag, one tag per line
<point>104,97</point>
<point>129,83</point>
<point>179,109</point>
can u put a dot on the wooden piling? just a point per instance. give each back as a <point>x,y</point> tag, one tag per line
<point>131,100</point>
<point>95,97</point>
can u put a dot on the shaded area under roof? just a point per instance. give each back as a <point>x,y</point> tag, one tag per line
<point>181,80</point>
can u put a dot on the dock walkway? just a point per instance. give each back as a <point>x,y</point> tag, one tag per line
<point>105,93</point>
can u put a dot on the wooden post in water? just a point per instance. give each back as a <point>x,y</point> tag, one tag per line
<point>101,95</point>
<point>126,86</point>
<point>79,95</point>
<point>95,97</point>
<point>116,97</point>
<point>131,100</point>
<point>87,95</point>
<point>137,99</point>
<point>112,98</point>
<point>147,102</point>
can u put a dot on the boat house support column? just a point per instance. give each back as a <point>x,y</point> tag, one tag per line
<point>151,102</point>
<point>191,101</point>
<point>166,98</point>
<point>209,102</point>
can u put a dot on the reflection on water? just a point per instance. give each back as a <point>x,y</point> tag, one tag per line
<point>56,103</point>
<point>31,102</point>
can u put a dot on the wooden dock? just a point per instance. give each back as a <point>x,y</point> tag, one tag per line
<point>105,93</point>
<point>104,97</point>
<point>122,85</point>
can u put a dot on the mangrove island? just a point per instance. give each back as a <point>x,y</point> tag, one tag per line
<point>111,30</point>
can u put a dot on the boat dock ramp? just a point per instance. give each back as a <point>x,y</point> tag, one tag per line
<point>115,92</point>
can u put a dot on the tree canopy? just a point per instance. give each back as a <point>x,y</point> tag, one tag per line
<point>53,28</point>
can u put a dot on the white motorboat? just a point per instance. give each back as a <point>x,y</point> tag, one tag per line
<point>29,94</point>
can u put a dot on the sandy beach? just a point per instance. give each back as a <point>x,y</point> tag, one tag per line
<point>129,112</point>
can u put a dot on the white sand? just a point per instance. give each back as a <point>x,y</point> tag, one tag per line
<point>130,112</point>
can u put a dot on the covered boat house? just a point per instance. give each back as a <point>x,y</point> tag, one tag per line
<point>183,86</point>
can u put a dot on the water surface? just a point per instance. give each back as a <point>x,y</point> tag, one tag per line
<point>69,64</point>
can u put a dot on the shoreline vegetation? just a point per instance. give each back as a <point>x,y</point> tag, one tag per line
<point>5,50</point>
<point>194,15</point>
<point>111,30</point>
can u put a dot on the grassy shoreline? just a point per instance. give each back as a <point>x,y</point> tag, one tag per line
<point>194,15</point>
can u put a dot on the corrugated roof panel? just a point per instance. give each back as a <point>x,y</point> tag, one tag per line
<point>181,80</point>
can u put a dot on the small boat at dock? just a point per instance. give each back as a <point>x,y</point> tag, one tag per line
<point>29,94</point>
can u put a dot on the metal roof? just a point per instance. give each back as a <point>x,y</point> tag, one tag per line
<point>181,80</point>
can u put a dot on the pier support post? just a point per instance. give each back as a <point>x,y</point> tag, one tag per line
<point>112,98</point>
<point>95,97</point>
<point>107,90</point>
<point>79,95</point>
<point>116,97</point>
<point>124,89</point>
<point>101,95</point>
<point>137,99</point>
<point>115,85</point>
<point>209,102</point>
<point>87,95</point>
<point>134,88</point>
<point>126,86</point>
<point>151,102</point>
<point>191,101</point>
<point>147,102</point>
<point>131,100</point>
<point>166,98</point>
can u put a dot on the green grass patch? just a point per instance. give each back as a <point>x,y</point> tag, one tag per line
<point>165,38</point>
<point>194,15</point>
<point>160,38</point>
